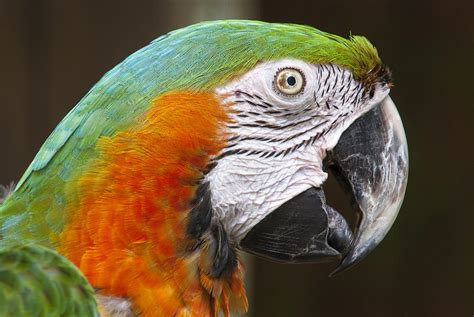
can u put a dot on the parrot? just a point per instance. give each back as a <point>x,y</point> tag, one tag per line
<point>213,140</point>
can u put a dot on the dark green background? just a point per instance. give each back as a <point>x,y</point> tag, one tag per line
<point>52,52</point>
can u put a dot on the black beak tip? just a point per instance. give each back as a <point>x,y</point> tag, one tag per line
<point>343,266</point>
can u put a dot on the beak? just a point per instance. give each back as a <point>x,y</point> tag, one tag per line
<point>304,229</point>
<point>371,161</point>
<point>372,158</point>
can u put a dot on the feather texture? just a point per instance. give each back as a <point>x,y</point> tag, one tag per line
<point>35,281</point>
<point>5,191</point>
<point>128,229</point>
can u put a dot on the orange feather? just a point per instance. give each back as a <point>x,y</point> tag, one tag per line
<point>128,229</point>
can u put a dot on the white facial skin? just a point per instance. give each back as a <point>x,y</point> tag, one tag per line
<point>278,141</point>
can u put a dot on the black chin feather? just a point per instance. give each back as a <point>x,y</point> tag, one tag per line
<point>199,218</point>
<point>200,226</point>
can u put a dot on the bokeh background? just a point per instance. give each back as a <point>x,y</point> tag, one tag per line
<point>52,52</point>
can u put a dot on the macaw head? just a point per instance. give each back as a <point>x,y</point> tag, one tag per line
<point>300,102</point>
<point>214,138</point>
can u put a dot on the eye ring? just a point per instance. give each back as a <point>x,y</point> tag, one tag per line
<point>289,81</point>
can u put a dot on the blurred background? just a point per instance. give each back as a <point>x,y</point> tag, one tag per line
<point>52,52</point>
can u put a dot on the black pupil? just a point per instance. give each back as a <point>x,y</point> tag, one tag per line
<point>291,80</point>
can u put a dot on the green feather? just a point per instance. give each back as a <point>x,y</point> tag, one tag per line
<point>198,57</point>
<point>35,281</point>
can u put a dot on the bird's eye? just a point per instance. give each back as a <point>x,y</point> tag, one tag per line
<point>289,81</point>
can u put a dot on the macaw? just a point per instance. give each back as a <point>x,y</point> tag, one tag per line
<point>215,138</point>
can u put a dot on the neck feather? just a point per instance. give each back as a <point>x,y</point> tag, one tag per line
<point>128,232</point>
